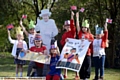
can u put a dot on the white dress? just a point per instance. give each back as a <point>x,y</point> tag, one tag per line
<point>47,31</point>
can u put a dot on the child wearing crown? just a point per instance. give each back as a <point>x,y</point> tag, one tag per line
<point>19,45</point>
<point>69,33</point>
<point>84,33</point>
<point>99,45</point>
<point>54,74</point>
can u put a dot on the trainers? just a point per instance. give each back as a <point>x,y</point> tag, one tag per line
<point>77,78</point>
<point>64,76</point>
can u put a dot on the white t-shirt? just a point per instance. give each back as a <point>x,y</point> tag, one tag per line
<point>97,50</point>
<point>31,40</point>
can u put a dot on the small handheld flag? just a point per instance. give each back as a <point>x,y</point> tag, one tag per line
<point>73,8</point>
<point>82,10</point>
<point>24,16</point>
<point>109,20</point>
<point>9,26</point>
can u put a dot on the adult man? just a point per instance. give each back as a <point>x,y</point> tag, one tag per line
<point>47,27</point>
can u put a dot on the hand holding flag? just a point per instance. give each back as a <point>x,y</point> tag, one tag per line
<point>82,10</point>
<point>24,16</point>
<point>73,8</point>
<point>109,20</point>
<point>9,26</point>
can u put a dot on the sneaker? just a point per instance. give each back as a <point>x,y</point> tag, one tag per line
<point>64,76</point>
<point>77,78</point>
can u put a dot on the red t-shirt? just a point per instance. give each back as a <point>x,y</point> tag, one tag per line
<point>41,49</point>
<point>69,34</point>
<point>88,36</point>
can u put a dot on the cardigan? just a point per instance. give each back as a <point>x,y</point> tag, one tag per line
<point>15,42</point>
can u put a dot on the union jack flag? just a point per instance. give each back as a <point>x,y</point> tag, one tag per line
<point>82,10</point>
<point>109,20</point>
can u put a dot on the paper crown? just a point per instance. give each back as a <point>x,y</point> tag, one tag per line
<point>31,24</point>
<point>45,11</point>
<point>67,23</point>
<point>85,23</point>
<point>53,47</point>
<point>18,31</point>
<point>9,26</point>
<point>98,30</point>
<point>37,37</point>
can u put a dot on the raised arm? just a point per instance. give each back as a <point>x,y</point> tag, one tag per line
<point>77,22</point>
<point>105,26</point>
<point>105,32</point>
<point>23,28</point>
<point>10,39</point>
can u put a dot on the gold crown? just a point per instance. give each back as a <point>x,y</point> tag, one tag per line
<point>18,31</point>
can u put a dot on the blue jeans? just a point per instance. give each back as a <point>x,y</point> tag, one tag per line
<point>99,65</point>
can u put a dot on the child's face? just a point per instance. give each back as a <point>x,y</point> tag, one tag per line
<point>19,36</point>
<point>32,31</point>
<point>38,43</point>
<point>67,27</point>
<point>84,29</point>
<point>98,36</point>
<point>54,51</point>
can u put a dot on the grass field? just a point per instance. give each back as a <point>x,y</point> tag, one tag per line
<point>7,69</point>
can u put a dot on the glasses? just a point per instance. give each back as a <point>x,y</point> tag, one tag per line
<point>37,41</point>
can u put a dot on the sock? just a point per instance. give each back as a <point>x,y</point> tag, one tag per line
<point>20,74</point>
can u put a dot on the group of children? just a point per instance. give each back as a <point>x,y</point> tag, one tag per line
<point>97,47</point>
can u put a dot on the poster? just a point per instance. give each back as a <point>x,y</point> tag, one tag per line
<point>34,56</point>
<point>73,54</point>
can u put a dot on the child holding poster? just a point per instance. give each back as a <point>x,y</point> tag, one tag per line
<point>99,45</point>
<point>54,74</point>
<point>69,33</point>
<point>84,33</point>
<point>41,49</point>
<point>19,45</point>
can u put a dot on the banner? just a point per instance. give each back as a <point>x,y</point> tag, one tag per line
<point>73,54</point>
<point>34,56</point>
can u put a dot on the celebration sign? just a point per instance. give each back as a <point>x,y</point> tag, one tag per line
<point>73,54</point>
<point>34,56</point>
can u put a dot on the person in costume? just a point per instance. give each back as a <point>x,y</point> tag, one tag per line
<point>69,33</point>
<point>99,45</point>
<point>84,33</point>
<point>30,34</point>
<point>54,74</point>
<point>41,49</point>
<point>19,46</point>
<point>46,27</point>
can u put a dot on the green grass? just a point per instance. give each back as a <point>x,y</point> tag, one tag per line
<point>7,69</point>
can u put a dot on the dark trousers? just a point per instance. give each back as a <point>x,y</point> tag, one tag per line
<point>30,67</point>
<point>99,65</point>
<point>85,68</point>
